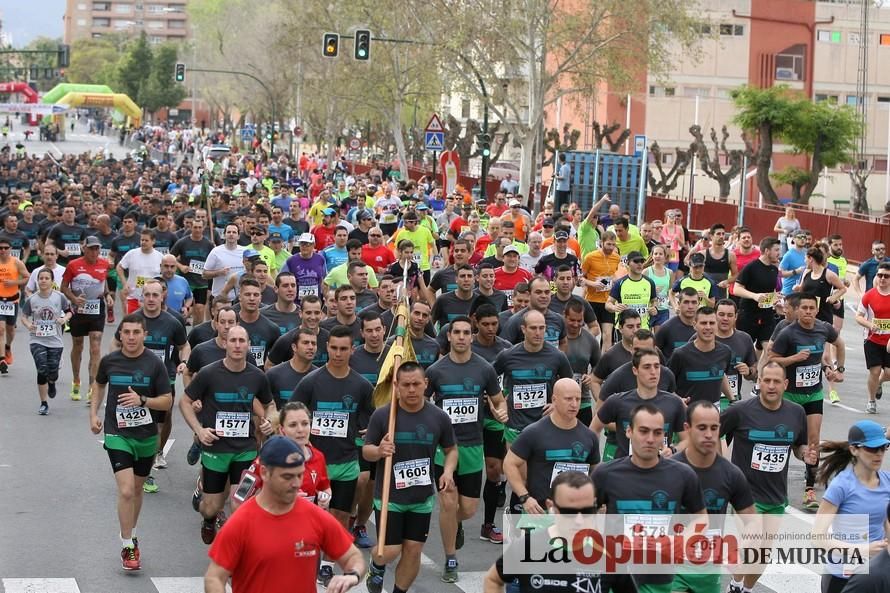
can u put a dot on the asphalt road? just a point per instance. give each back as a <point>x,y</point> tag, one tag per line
<point>58,526</point>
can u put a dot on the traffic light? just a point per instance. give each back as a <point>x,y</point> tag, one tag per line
<point>363,45</point>
<point>483,141</point>
<point>179,73</point>
<point>64,56</point>
<point>331,45</point>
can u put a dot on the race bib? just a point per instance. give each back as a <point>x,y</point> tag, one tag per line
<point>807,376</point>
<point>529,396</point>
<point>509,294</point>
<point>310,290</point>
<point>412,473</point>
<point>330,424</point>
<point>642,310</point>
<point>16,253</point>
<point>7,308</point>
<point>769,302</point>
<point>104,253</point>
<point>161,354</point>
<point>417,258</point>
<point>646,525</point>
<point>90,307</point>
<point>45,330</point>
<point>883,325</point>
<point>162,250</point>
<point>141,280</point>
<point>769,458</point>
<point>733,383</point>
<point>129,417</point>
<point>257,352</point>
<point>562,466</point>
<point>577,377</point>
<point>233,424</point>
<point>462,410</point>
<point>72,248</point>
<point>32,244</point>
<point>196,266</point>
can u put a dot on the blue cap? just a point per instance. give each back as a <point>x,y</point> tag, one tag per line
<point>422,207</point>
<point>275,236</point>
<point>867,433</point>
<point>248,253</point>
<point>328,211</point>
<point>280,451</point>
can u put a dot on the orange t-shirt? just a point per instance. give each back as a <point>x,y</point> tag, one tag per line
<point>574,246</point>
<point>596,267</point>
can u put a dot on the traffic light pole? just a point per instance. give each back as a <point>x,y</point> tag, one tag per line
<point>258,81</point>
<point>483,178</point>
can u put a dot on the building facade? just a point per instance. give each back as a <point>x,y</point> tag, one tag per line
<point>162,20</point>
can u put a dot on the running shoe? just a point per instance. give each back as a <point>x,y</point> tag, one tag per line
<point>220,519</point>
<point>360,533</point>
<point>4,368</point>
<point>809,500</point>
<point>491,533</point>
<point>8,356</point>
<point>208,530</point>
<point>194,453</point>
<point>89,394</point>
<point>733,588</point>
<point>459,538</point>
<point>871,407</point>
<point>325,574</point>
<point>43,410</point>
<point>374,580</point>
<point>449,575</point>
<point>197,495</point>
<point>160,461</point>
<point>130,558</point>
<point>51,390</point>
<point>110,317</point>
<point>834,397</point>
<point>75,388</point>
<point>149,487</point>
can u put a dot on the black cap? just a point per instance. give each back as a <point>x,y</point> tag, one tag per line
<point>697,259</point>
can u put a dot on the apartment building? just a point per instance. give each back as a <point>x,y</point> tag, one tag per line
<point>162,20</point>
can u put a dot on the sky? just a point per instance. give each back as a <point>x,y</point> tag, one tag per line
<point>27,19</point>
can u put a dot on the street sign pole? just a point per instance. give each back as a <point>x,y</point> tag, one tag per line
<point>435,160</point>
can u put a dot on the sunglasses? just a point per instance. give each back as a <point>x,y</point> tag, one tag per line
<point>882,275</point>
<point>375,235</point>
<point>575,511</point>
<point>874,450</point>
<point>637,260</point>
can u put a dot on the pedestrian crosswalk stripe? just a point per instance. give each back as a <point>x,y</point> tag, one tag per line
<point>181,584</point>
<point>40,586</point>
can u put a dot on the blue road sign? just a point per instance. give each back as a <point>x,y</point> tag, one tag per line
<point>434,141</point>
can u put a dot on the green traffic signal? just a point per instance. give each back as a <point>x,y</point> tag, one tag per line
<point>362,45</point>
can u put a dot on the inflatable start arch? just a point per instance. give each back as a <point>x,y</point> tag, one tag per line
<point>118,101</point>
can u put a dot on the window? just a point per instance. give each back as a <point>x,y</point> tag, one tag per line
<point>853,38</point>
<point>704,29</point>
<point>154,8</point>
<point>155,24</point>
<point>884,103</point>
<point>101,22</point>
<point>731,29</point>
<point>176,24</point>
<point>725,29</point>
<point>884,39</point>
<point>101,6</point>
<point>123,8</point>
<point>661,91</point>
<point>154,39</point>
<point>789,67</point>
<point>696,91</point>
<point>82,6</point>
<point>123,24</point>
<point>81,22</point>
<point>828,36</point>
<point>738,30</point>
<point>824,97</point>
<point>853,100</point>
<point>465,108</point>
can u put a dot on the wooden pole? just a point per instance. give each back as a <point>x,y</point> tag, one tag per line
<point>401,330</point>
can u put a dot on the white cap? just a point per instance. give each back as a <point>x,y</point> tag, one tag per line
<point>306,238</point>
<point>514,202</point>
<point>511,249</point>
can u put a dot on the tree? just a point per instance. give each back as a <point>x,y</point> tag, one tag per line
<point>134,69</point>
<point>461,138</point>
<point>768,113</point>
<point>94,61</point>
<point>711,166</point>
<point>602,136</point>
<point>548,50</point>
<point>161,91</point>
<point>43,61</point>
<point>555,142</point>
<point>668,181</point>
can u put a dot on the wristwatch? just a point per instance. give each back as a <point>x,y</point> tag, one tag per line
<point>839,369</point>
<point>358,578</point>
<point>523,498</point>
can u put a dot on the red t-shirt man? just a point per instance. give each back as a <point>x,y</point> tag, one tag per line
<point>876,307</point>
<point>268,553</point>
<point>379,258</point>
<point>506,280</point>
<point>324,236</point>
<point>88,280</point>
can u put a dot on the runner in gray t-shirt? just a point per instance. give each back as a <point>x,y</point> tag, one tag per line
<point>44,314</point>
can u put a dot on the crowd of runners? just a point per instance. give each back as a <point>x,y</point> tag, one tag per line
<point>256,299</point>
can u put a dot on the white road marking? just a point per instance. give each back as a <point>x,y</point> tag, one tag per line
<point>848,408</point>
<point>168,446</point>
<point>181,584</point>
<point>40,585</point>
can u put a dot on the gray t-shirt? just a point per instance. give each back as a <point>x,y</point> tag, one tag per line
<point>528,380</point>
<point>44,314</point>
<point>673,334</point>
<point>555,332</point>
<point>623,379</point>
<point>583,353</point>
<point>618,408</point>
<point>763,440</point>
<point>742,348</point>
<point>700,374</point>
<point>458,388</point>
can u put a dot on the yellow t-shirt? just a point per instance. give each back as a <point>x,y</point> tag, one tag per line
<point>423,241</point>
